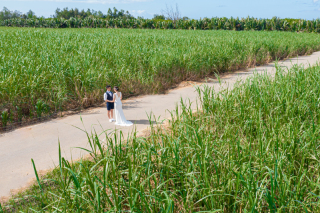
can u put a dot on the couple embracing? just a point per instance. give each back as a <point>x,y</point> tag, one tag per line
<point>113,101</point>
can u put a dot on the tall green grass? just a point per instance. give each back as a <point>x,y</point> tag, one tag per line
<point>252,149</point>
<point>47,70</point>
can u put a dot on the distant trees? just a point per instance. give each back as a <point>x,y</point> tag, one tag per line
<point>76,13</point>
<point>172,14</point>
<point>168,14</point>
<point>215,23</point>
<point>118,14</point>
<point>65,13</point>
<point>31,14</point>
<point>6,14</point>
<point>159,17</point>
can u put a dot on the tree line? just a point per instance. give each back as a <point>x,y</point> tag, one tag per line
<point>274,24</point>
<point>168,14</point>
<point>67,13</point>
<point>76,13</point>
<point>7,14</point>
<point>170,19</point>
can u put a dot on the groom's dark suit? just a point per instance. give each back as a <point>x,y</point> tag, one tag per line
<point>110,98</point>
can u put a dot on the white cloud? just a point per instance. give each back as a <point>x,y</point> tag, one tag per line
<point>314,1</point>
<point>139,12</point>
<point>93,1</point>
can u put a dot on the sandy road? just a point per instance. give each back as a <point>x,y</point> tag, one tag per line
<point>40,141</point>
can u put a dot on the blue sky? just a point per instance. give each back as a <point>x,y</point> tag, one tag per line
<point>307,9</point>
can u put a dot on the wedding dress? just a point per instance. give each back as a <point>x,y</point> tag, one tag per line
<point>120,118</point>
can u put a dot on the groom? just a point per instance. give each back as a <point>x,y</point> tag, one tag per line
<point>108,98</point>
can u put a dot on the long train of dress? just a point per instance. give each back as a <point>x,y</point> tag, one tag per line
<point>120,118</point>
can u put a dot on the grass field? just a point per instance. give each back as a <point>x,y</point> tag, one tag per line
<point>46,70</point>
<point>252,149</point>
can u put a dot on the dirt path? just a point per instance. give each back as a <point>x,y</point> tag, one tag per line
<point>40,141</point>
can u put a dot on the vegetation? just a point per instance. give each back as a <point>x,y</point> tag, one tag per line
<point>49,70</point>
<point>169,19</point>
<point>237,24</point>
<point>252,149</point>
<point>65,13</point>
<point>75,13</point>
<point>6,14</point>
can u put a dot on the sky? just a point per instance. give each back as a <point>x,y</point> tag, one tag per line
<point>195,9</point>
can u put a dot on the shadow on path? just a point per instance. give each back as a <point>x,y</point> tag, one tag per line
<point>131,105</point>
<point>144,122</point>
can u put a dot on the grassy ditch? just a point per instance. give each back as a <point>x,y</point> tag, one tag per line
<point>252,149</point>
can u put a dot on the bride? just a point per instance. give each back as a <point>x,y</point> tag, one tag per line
<point>120,118</point>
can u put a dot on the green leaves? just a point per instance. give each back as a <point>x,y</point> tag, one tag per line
<point>41,107</point>
<point>4,118</point>
<point>216,23</point>
<point>37,176</point>
<point>217,159</point>
<point>48,70</point>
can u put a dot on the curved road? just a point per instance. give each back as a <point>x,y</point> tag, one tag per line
<point>40,141</point>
